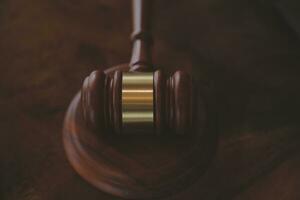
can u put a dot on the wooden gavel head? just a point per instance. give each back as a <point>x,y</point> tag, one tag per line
<point>122,102</point>
<point>135,98</point>
<point>139,102</point>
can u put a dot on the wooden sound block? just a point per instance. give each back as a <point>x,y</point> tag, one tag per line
<point>141,166</point>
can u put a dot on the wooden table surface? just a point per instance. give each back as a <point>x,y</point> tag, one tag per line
<point>48,47</point>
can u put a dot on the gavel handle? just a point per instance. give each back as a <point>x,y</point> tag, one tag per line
<point>141,58</point>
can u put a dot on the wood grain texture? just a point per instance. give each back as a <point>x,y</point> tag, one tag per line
<point>47,47</point>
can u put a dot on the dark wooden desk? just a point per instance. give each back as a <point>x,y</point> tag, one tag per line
<point>48,47</point>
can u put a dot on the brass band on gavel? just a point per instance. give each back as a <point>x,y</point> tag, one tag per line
<point>137,101</point>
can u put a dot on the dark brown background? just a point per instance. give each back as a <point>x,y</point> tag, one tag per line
<point>48,47</point>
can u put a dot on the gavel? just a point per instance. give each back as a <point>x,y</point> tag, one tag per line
<point>136,97</point>
<point>117,115</point>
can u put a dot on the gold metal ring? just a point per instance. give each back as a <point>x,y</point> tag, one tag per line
<point>137,101</point>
